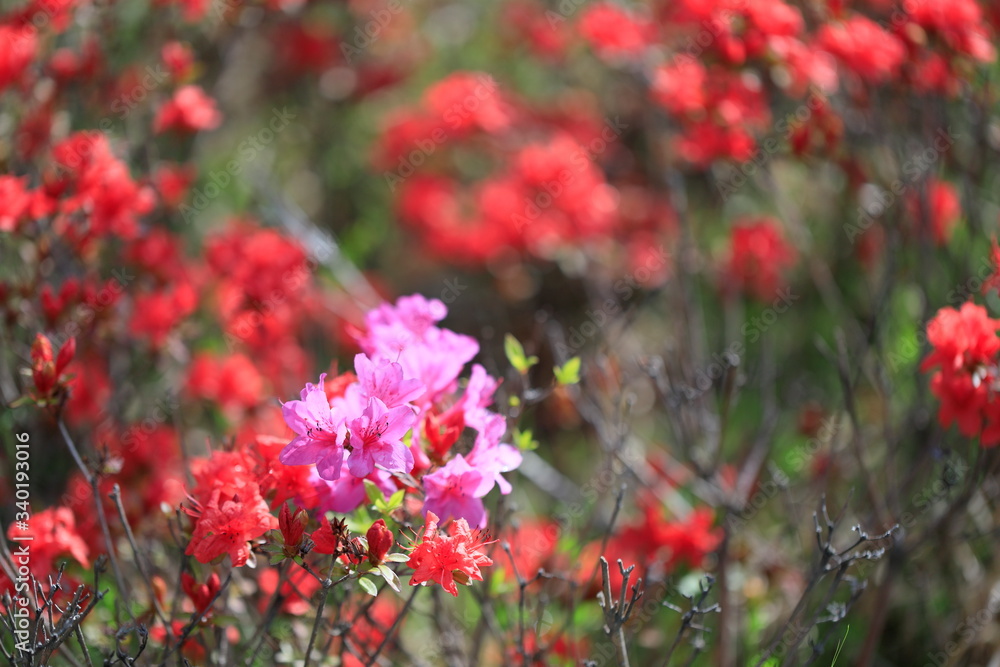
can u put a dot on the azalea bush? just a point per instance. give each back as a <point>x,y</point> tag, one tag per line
<point>527,332</point>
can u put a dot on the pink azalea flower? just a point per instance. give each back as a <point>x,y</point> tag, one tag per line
<point>478,396</point>
<point>438,360</point>
<point>376,437</point>
<point>456,491</point>
<point>406,333</point>
<point>414,313</point>
<point>384,380</point>
<point>320,434</point>
<point>491,457</point>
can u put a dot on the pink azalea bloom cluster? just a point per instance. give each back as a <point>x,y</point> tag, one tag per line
<point>388,420</point>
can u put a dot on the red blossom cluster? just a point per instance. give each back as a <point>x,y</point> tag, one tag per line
<point>544,191</point>
<point>965,353</point>
<point>759,258</point>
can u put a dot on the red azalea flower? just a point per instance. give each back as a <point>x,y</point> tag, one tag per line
<point>189,110</point>
<point>94,182</point>
<point>965,346</point>
<point>172,182</point>
<point>53,534</point>
<point>296,591</point>
<point>15,201</point>
<point>226,525</point>
<point>758,257</point>
<point>614,32</point>
<point>864,47</point>
<point>20,43</point>
<point>156,314</point>
<point>937,207</point>
<point>178,59</point>
<point>962,339</point>
<point>447,559</point>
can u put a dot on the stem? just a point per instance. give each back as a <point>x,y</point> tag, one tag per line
<point>115,495</point>
<point>96,492</point>
<point>327,585</point>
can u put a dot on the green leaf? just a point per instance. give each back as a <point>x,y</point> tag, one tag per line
<point>374,493</point>
<point>396,500</point>
<point>389,576</point>
<point>277,558</point>
<point>568,373</point>
<point>397,558</point>
<point>515,355</point>
<point>514,350</point>
<point>368,585</point>
<point>840,647</point>
<point>524,440</point>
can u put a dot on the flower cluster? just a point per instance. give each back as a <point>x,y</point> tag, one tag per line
<point>759,257</point>
<point>388,419</point>
<point>965,353</point>
<point>543,194</point>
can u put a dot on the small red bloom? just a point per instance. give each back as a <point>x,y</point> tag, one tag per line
<point>16,200</point>
<point>19,49</point>
<point>759,255</point>
<point>157,313</point>
<point>190,110</point>
<point>863,47</point>
<point>940,211</point>
<point>172,183</point>
<point>178,59</point>
<point>614,32</point>
<point>442,431</point>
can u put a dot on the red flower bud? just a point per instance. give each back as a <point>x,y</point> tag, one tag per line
<point>66,355</point>
<point>380,541</point>
<point>44,375</point>
<point>327,538</point>
<point>200,594</point>
<point>292,526</point>
<point>41,350</point>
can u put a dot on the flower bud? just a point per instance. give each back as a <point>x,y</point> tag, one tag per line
<point>66,355</point>
<point>380,541</point>
<point>41,350</point>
